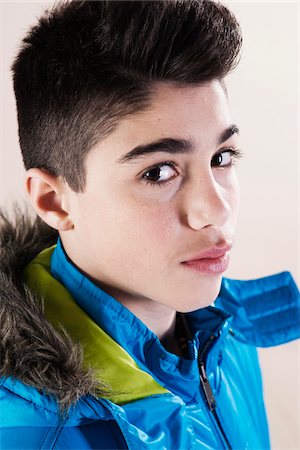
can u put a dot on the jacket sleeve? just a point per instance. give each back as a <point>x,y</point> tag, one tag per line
<point>266,311</point>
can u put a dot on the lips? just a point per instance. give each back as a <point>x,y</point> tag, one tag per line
<point>212,261</point>
<point>213,252</point>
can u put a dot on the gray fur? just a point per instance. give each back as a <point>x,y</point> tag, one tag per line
<point>31,350</point>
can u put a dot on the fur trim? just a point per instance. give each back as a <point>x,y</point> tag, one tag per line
<point>31,349</point>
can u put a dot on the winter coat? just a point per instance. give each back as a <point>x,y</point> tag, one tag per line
<point>80,371</point>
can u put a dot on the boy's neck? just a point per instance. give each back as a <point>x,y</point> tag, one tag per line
<point>160,319</point>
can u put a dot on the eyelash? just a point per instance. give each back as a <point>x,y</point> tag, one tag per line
<point>235,155</point>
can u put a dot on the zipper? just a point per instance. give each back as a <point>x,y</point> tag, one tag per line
<point>210,399</point>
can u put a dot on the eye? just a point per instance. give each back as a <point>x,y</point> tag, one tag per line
<point>160,174</point>
<point>226,158</point>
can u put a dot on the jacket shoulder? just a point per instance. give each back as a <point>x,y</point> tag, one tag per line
<point>25,423</point>
<point>31,420</point>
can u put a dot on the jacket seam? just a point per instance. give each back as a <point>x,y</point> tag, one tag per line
<point>256,339</point>
<point>192,428</point>
<point>56,435</point>
<point>45,437</point>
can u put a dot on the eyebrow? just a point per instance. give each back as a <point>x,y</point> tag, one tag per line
<point>173,146</point>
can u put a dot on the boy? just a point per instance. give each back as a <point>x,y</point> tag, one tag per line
<point>108,336</point>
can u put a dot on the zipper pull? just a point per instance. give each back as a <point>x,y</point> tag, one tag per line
<point>206,388</point>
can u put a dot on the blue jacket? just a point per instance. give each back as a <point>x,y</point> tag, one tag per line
<point>151,399</point>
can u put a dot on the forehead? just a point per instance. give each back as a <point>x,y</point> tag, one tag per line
<point>186,96</point>
<point>196,113</point>
<point>183,108</point>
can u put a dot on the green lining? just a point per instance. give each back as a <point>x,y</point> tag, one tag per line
<point>111,363</point>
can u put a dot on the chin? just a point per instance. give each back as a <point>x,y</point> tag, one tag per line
<point>194,307</point>
<point>204,298</point>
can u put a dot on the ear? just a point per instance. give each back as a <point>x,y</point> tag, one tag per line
<point>47,195</point>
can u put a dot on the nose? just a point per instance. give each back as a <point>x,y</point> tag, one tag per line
<point>205,204</point>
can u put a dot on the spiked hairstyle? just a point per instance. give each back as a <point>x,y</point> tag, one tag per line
<point>87,64</point>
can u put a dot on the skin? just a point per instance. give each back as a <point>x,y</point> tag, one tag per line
<point>131,237</point>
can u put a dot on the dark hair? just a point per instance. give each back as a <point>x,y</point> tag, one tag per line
<point>86,64</point>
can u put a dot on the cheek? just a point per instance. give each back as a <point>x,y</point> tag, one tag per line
<point>131,227</point>
<point>148,219</point>
<point>152,236</point>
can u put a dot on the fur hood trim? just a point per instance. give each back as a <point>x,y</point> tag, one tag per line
<point>31,350</point>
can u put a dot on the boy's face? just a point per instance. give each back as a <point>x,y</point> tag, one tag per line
<point>130,235</point>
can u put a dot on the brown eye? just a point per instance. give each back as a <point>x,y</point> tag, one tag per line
<point>153,174</point>
<point>160,174</point>
<point>226,158</point>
